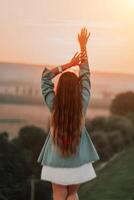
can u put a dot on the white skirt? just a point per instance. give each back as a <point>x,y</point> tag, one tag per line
<point>68,176</point>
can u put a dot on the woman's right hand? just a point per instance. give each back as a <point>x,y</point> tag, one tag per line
<point>83,38</point>
<point>75,60</point>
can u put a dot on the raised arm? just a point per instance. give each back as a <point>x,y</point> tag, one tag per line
<point>47,86</point>
<point>84,71</point>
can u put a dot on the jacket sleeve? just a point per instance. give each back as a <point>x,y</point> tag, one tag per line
<point>85,83</point>
<point>47,87</point>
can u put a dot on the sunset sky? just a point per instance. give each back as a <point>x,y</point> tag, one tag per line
<point>45,32</point>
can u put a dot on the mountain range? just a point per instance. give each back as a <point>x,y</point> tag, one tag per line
<point>101,81</point>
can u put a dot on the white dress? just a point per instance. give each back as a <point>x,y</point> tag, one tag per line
<point>68,176</point>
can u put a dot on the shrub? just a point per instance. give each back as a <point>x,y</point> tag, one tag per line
<point>101,142</point>
<point>123,125</point>
<point>122,103</point>
<point>115,140</point>
<point>97,123</point>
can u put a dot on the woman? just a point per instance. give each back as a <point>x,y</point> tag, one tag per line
<point>68,152</point>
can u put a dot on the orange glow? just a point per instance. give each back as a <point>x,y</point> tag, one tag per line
<point>36,33</point>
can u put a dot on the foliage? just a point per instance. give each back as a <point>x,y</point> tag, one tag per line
<point>14,170</point>
<point>123,103</point>
<point>31,140</point>
<point>110,134</point>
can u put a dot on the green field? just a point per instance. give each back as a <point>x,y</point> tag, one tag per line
<point>114,182</point>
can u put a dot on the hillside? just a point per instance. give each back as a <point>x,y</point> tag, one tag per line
<point>101,81</point>
<point>114,182</point>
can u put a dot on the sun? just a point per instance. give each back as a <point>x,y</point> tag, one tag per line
<point>130,2</point>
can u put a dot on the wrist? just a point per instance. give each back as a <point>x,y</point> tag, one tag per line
<point>84,57</point>
<point>60,69</point>
<point>83,48</point>
<point>66,66</point>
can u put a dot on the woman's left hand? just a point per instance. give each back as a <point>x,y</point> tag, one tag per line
<point>75,60</point>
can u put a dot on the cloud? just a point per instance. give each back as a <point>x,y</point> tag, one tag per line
<point>76,23</point>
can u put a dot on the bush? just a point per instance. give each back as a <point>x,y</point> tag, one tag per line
<point>97,123</point>
<point>121,124</point>
<point>111,134</point>
<point>101,142</point>
<point>130,116</point>
<point>14,170</point>
<point>115,140</point>
<point>122,103</point>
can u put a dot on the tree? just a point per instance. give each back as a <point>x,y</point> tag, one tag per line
<point>14,170</point>
<point>32,138</point>
<point>123,103</point>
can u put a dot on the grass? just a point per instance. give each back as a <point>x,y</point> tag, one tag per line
<point>114,182</point>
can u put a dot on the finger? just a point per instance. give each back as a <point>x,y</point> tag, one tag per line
<point>77,57</point>
<point>88,35</point>
<point>80,54</point>
<point>83,52</point>
<point>82,32</point>
<point>78,36</point>
<point>85,30</point>
<point>75,54</point>
<point>83,56</point>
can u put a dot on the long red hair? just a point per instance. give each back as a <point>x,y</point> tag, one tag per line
<point>67,117</point>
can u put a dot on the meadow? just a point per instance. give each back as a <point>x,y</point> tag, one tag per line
<point>114,182</point>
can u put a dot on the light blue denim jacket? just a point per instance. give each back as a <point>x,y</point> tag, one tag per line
<point>86,151</point>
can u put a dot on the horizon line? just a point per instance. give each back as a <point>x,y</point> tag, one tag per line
<point>41,65</point>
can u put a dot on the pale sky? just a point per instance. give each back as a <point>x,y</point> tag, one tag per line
<point>45,32</point>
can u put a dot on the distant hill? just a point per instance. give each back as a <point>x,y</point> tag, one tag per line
<point>101,81</point>
<point>19,72</point>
